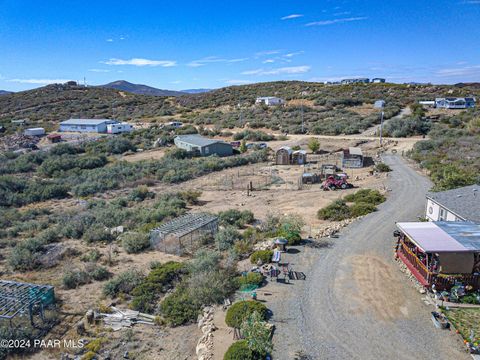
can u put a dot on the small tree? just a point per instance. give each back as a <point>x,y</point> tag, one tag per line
<point>314,145</point>
<point>257,334</point>
<point>243,146</point>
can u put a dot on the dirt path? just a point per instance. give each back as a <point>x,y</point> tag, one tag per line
<point>373,130</point>
<point>355,303</point>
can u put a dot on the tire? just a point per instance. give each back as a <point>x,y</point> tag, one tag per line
<point>343,186</point>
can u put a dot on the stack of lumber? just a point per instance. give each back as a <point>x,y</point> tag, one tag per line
<point>119,319</point>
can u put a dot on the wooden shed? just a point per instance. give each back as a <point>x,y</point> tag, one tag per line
<point>299,157</point>
<point>352,158</point>
<point>283,156</point>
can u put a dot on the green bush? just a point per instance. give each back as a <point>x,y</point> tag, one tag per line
<point>178,308</point>
<point>140,193</point>
<point>241,310</point>
<point>240,351</point>
<point>75,278</point>
<point>134,243</point>
<point>236,218</point>
<point>123,283</point>
<point>368,196</point>
<point>210,287</point>
<point>225,238</point>
<point>264,255</point>
<point>361,208</point>
<point>204,260</point>
<point>251,278</point>
<point>99,273</point>
<point>97,233</point>
<point>382,167</point>
<point>336,211</point>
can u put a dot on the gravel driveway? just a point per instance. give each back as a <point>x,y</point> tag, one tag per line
<point>355,303</point>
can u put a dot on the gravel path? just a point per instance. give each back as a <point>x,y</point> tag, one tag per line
<point>355,303</point>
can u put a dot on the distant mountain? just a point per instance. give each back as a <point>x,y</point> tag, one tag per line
<point>196,91</point>
<point>4,92</point>
<point>140,89</point>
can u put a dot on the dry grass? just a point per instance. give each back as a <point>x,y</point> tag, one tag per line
<point>465,320</point>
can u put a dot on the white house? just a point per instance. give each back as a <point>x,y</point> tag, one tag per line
<point>378,80</point>
<point>462,204</point>
<point>455,103</point>
<point>119,128</point>
<point>270,100</point>
<point>34,132</point>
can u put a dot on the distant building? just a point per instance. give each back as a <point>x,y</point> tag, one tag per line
<point>462,204</point>
<point>299,157</point>
<point>86,125</point>
<point>429,103</point>
<point>34,132</point>
<point>378,80</point>
<point>270,100</point>
<point>455,103</point>
<point>352,158</point>
<point>203,146</point>
<point>119,128</point>
<point>355,81</point>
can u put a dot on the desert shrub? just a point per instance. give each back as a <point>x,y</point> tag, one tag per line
<point>134,243</point>
<point>243,247</point>
<point>113,145</point>
<point>252,135</point>
<point>25,255</point>
<point>204,260</point>
<point>191,196</point>
<point>264,255</point>
<point>236,217</point>
<point>141,193</point>
<point>336,211</point>
<point>74,278</point>
<point>210,287</point>
<point>92,256</point>
<point>368,196</point>
<point>178,308</point>
<point>21,333</point>
<point>361,208</point>
<point>241,310</point>
<point>225,238</point>
<point>123,283</point>
<point>240,351</point>
<point>97,233</point>
<point>257,333</point>
<point>382,167</point>
<point>161,278</point>
<point>251,278</point>
<point>99,273</point>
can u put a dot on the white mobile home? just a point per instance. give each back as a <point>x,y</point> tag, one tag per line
<point>270,100</point>
<point>119,128</point>
<point>86,125</point>
<point>34,132</point>
<point>455,103</point>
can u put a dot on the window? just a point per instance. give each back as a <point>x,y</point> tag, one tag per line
<point>442,215</point>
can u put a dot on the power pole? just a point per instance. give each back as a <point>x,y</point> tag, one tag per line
<point>381,129</point>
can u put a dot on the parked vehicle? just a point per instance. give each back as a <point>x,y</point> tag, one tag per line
<point>334,182</point>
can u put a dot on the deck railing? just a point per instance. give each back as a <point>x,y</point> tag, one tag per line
<point>415,261</point>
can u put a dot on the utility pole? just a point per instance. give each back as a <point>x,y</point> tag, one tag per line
<point>380,104</point>
<point>381,129</point>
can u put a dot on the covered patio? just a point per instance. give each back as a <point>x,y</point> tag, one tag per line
<point>440,253</point>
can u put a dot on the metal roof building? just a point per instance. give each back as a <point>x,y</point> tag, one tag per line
<point>203,146</point>
<point>352,157</point>
<point>457,204</point>
<point>86,125</point>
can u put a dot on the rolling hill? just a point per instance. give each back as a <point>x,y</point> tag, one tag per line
<point>4,92</point>
<point>140,89</point>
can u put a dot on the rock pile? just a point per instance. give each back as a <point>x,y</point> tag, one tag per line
<point>331,229</point>
<point>204,348</point>
<point>19,141</point>
<point>264,245</point>
<point>408,273</point>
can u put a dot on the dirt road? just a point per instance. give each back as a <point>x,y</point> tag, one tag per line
<point>355,303</point>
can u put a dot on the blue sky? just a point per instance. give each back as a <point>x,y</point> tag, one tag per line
<point>193,44</point>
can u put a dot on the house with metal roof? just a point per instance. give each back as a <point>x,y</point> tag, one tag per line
<point>455,102</point>
<point>462,204</point>
<point>203,146</point>
<point>86,125</point>
<point>440,253</point>
<point>269,100</point>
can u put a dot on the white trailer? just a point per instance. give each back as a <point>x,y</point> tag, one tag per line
<point>119,128</point>
<point>34,132</point>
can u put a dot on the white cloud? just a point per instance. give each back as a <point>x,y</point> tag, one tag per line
<point>175,82</point>
<point>279,71</point>
<point>213,59</point>
<point>290,55</point>
<point>140,62</point>
<point>237,82</point>
<point>292,16</point>
<point>99,70</point>
<point>335,21</point>
<point>39,81</point>
<point>267,52</point>
<point>473,70</point>
<point>109,40</point>
<point>268,61</point>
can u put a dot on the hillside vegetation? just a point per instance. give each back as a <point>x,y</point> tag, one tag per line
<point>345,109</point>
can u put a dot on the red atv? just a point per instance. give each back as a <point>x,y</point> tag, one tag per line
<point>334,182</point>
